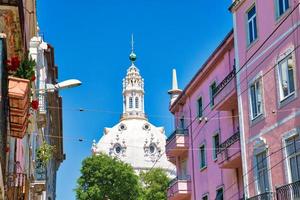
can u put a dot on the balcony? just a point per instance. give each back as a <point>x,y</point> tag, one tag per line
<point>229,152</point>
<point>289,192</point>
<point>263,196</point>
<point>18,94</point>
<point>177,143</point>
<point>39,183</point>
<point>225,96</point>
<point>180,188</point>
<point>10,2</point>
<point>17,186</point>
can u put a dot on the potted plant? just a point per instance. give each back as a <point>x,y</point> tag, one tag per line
<point>44,154</point>
<point>21,72</point>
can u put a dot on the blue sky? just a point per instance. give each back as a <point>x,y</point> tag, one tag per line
<point>92,43</point>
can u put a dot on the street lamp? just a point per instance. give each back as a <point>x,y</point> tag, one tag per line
<point>62,85</point>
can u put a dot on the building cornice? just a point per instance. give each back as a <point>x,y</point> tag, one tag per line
<point>235,5</point>
<point>226,44</point>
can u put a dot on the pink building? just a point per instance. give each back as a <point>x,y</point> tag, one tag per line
<point>266,36</point>
<point>205,145</point>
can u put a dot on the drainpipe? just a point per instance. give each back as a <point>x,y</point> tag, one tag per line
<point>192,147</point>
<point>240,112</point>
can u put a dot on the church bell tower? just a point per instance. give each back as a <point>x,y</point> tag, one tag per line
<point>133,90</point>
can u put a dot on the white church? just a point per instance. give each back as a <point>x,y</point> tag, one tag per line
<point>134,139</point>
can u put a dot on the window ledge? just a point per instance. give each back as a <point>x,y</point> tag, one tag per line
<point>257,119</point>
<point>203,168</point>
<point>249,46</point>
<point>279,18</point>
<point>288,99</point>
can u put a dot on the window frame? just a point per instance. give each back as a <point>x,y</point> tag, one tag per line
<point>277,9</point>
<point>249,43</point>
<point>285,58</point>
<point>256,80</point>
<point>220,188</point>
<point>130,104</point>
<point>211,94</point>
<point>205,196</point>
<point>288,135</point>
<point>214,152</point>
<point>264,170</point>
<point>202,167</point>
<point>198,107</point>
<point>137,104</point>
<point>260,146</point>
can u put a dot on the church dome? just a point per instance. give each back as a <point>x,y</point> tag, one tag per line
<point>134,139</point>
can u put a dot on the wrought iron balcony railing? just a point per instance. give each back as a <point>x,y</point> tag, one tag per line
<point>178,132</point>
<point>225,145</point>
<point>180,178</point>
<point>16,186</point>
<point>289,191</point>
<point>223,84</point>
<point>263,196</point>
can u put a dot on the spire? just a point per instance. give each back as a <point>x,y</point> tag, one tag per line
<point>174,92</point>
<point>174,80</point>
<point>133,90</point>
<point>132,56</point>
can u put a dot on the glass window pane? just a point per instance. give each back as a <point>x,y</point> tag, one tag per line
<point>200,107</point>
<point>250,30</point>
<point>259,96</point>
<point>253,101</point>
<point>293,166</point>
<point>251,12</point>
<point>287,4</point>
<point>291,79</point>
<point>280,5</point>
<point>254,28</point>
<point>266,180</point>
<point>284,77</point>
<point>298,168</point>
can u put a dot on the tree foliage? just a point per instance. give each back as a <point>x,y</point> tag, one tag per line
<point>155,184</point>
<point>106,178</point>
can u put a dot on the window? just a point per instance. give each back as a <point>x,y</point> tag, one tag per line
<point>202,157</point>
<point>282,6</point>
<point>136,102</point>
<point>252,25</point>
<point>219,195</point>
<point>256,98</point>
<point>293,155</point>
<point>205,197</point>
<point>200,109</point>
<point>286,71</point>
<point>130,102</point>
<point>262,173</point>
<point>216,143</point>
<point>182,122</point>
<point>212,92</point>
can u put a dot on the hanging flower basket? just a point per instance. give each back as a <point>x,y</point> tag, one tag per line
<point>44,154</point>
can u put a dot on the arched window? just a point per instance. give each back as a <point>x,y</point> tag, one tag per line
<point>130,102</point>
<point>136,102</point>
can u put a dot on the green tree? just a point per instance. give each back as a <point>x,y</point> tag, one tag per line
<point>155,184</point>
<point>106,178</point>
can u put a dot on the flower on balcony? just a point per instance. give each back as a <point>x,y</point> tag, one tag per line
<point>13,63</point>
<point>21,68</point>
<point>35,104</point>
<point>44,153</point>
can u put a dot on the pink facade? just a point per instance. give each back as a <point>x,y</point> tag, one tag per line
<point>205,145</point>
<point>267,64</point>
